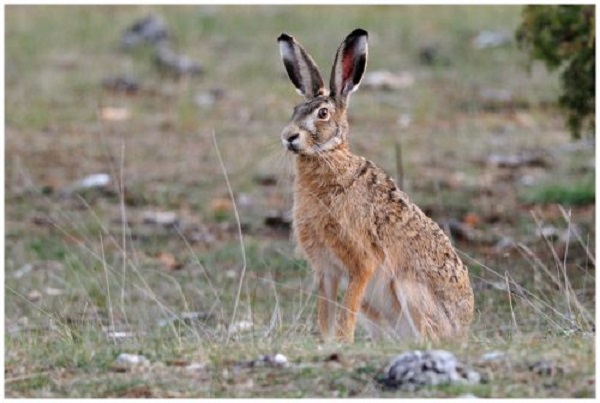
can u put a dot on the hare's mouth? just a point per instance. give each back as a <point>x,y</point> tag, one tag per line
<point>293,148</point>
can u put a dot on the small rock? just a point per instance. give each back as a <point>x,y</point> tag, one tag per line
<point>493,356</point>
<point>124,84</point>
<point>548,232</point>
<point>517,160</point>
<point>569,235</point>
<point>132,359</point>
<point>280,359</point>
<point>196,366</point>
<point>35,296</point>
<point>527,180</point>
<point>208,99</point>
<point>187,318</point>
<point>16,327</point>
<point>241,326</point>
<point>23,270</point>
<point>385,80</point>
<point>503,244</point>
<point>149,30</point>
<point>245,200</point>
<point>512,287</point>
<point>545,368</point>
<point>495,95</point>
<point>491,39</point>
<point>38,265</point>
<point>404,120</point>
<point>53,292</point>
<point>416,369</point>
<point>202,235</point>
<point>119,335</point>
<point>95,181</point>
<point>164,218</point>
<point>169,62</point>
<point>204,100</point>
<point>194,316</point>
<point>431,55</point>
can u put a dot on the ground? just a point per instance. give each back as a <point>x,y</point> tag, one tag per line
<point>161,263</point>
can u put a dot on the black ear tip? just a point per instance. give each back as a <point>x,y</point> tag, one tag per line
<point>284,37</point>
<point>358,32</point>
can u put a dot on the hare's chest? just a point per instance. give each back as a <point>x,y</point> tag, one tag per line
<point>322,225</point>
<point>317,236</point>
<point>318,224</point>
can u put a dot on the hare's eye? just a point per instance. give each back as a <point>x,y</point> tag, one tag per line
<point>323,113</point>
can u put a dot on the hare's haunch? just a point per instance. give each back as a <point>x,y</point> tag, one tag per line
<point>403,276</point>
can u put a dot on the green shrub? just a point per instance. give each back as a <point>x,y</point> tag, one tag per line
<point>564,38</point>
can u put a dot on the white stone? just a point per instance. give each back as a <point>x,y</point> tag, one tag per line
<point>280,359</point>
<point>125,358</point>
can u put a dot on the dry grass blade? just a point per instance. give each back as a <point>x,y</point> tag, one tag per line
<point>567,289</point>
<point>512,311</point>
<point>205,272</point>
<point>240,235</point>
<point>539,264</point>
<point>111,317</point>
<point>588,251</point>
<point>525,295</point>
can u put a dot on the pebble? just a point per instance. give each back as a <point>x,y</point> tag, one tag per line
<point>280,359</point>
<point>196,366</point>
<point>241,326</point>
<point>493,356</point>
<point>133,359</point>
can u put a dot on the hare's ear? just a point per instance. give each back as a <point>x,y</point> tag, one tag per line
<point>301,68</point>
<point>349,65</point>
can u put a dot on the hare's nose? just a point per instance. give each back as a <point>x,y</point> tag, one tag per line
<point>291,141</point>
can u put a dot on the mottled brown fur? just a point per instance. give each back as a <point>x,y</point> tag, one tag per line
<point>351,208</point>
<point>353,222</point>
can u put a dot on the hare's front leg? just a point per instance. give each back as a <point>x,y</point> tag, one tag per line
<point>327,284</point>
<point>357,284</point>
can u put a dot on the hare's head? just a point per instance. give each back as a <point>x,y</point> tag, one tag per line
<point>319,123</point>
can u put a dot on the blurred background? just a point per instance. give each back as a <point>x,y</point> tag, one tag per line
<point>124,123</point>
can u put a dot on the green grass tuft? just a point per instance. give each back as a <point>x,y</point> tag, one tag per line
<point>574,193</point>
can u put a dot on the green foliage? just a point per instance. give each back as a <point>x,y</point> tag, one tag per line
<point>577,193</point>
<point>564,38</point>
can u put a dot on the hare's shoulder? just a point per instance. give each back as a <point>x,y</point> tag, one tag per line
<point>396,216</point>
<point>380,190</point>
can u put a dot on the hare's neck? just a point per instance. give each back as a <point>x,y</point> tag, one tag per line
<point>330,169</point>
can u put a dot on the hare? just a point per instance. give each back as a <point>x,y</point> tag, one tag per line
<point>354,224</point>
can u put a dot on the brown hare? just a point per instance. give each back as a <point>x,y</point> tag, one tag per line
<point>353,223</point>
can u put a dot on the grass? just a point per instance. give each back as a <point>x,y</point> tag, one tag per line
<point>573,193</point>
<point>84,268</point>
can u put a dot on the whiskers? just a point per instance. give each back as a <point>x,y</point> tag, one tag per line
<point>278,164</point>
